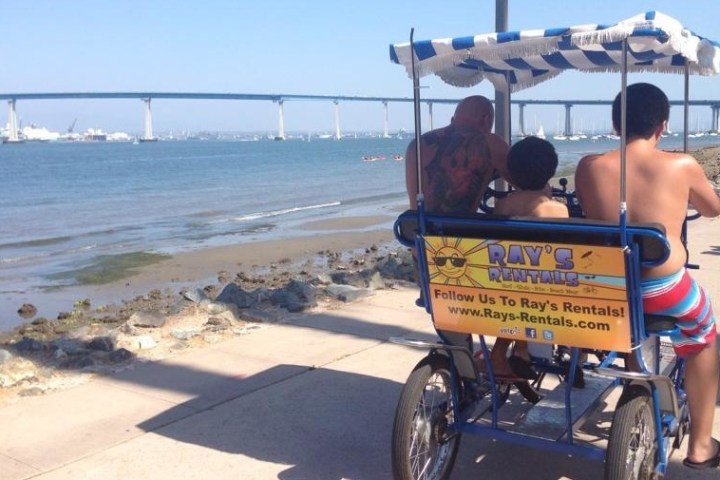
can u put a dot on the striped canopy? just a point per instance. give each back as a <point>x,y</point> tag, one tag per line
<point>656,43</point>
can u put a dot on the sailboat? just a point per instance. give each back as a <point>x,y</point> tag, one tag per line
<point>540,133</point>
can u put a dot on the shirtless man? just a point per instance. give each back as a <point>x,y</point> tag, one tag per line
<point>531,163</point>
<point>659,187</point>
<point>459,161</point>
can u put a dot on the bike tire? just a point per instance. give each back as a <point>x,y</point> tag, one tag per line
<point>423,448</point>
<point>632,451</point>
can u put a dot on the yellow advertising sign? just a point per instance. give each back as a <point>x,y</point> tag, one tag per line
<point>565,294</point>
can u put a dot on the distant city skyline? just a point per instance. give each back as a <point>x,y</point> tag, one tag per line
<point>308,48</point>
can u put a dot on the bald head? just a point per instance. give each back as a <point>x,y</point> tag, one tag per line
<point>475,112</point>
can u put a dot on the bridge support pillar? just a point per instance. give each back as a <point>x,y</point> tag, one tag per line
<point>148,133</point>
<point>386,132</point>
<point>337,120</point>
<point>430,115</point>
<point>714,127</point>
<point>568,120</point>
<point>521,119</point>
<point>12,123</point>
<point>281,122</point>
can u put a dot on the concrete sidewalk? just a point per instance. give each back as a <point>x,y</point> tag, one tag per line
<point>311,399</point>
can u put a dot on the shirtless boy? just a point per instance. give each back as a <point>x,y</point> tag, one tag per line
<point>660,185</point>
<point>531,164</point>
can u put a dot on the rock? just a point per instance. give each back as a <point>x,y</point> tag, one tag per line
<point>246,329</point>
<point>29,345</point>
<point>219,308</point>
<point>347,293</point>
<point>196,295</point>
<point>235,295</point>
<point>148,319</point>
<point>294,297</point>
<point>212,338</point>
<point>102,344</point>
<point>27,310</point>
<point>218,324</point>
<point>323,279</point>
<point>16,372</point>
<point>260,315</point>
<point>185,334</point>
<point>71,346</point>
<point>78,362</point>
<point>5,356</point>
<point>145,342</point>
<point>376,282</point>
<point>120,355</point>
<point>31,392</point>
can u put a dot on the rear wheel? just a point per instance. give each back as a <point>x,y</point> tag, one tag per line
<point>632,447</point>
<point>424,446</point>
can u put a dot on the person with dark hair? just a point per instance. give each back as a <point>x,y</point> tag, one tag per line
<point>531,164</point>
<point>660,187</point>
<point>458,163</point>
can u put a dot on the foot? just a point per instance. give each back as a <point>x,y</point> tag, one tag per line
<point>501,369</point>
<point>712,462</point>
<point>522,367</point>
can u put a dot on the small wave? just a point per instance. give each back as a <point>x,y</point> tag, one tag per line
<point>275,213</point>
<point>375,198</point>
<point>22,258</point>
<point>36,256</point>
<point>39,242</point>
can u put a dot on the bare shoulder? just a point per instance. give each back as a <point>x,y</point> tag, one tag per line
<point>554,209</point>
<point>679,158</point>
<point>590,160</point>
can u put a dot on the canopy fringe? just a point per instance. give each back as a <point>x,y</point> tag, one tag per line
<point>615,33</point>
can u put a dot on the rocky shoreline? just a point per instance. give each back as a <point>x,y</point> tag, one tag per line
<point>709,158</point>
<point>44,355</point>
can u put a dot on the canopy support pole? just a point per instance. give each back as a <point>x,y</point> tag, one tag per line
<point>502,97</point>
<point>623,146</point>
<point>418,132</point>
<point>686,108</point>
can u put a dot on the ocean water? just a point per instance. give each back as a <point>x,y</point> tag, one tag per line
<point>67,209</point>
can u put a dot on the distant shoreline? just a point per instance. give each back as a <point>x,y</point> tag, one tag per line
<point>708,157</point>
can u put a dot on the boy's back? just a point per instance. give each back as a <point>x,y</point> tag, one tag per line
<point>531,203</point>
<point>659,187</point>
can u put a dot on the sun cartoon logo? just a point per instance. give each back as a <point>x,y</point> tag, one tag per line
<point>454,261</point>
<point>450,262</point>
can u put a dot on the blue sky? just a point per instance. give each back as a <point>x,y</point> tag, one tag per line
<point>283,46</point>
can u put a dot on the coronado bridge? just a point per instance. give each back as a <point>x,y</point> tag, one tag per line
<point>147,97</point>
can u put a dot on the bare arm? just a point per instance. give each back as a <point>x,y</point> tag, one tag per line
<point>584,181</point>
<point>498,154</point>
<point>702,194</point>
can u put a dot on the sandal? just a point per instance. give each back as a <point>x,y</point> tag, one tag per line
<point>499,377</point>
<point>712,462</point>
<point>522,368</point>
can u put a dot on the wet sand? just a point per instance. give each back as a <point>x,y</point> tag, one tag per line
<point>198,268</point>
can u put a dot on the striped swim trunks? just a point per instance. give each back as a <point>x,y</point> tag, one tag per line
<point>680,296</point>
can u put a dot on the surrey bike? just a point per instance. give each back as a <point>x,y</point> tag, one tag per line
<point>570,286</point>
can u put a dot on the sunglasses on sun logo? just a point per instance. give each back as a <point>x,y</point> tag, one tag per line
<point>456,262</point>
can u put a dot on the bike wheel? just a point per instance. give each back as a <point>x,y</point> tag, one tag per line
<point>632,447</point>
<point>423,446</point>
